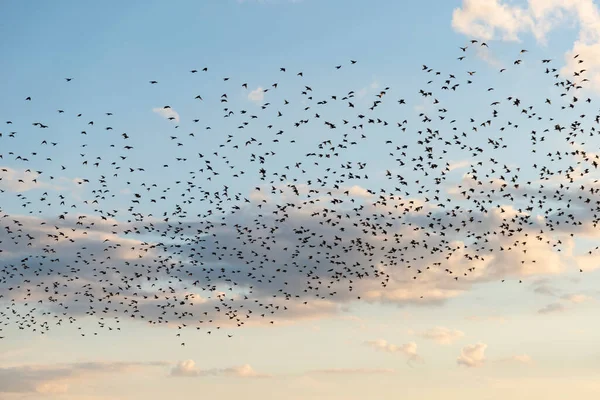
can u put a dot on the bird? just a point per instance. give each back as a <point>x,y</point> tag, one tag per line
<point>263,211</point>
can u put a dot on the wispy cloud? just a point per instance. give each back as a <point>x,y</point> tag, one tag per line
<point>188,368</point>
<point>519,359</point>
<point>23,180</point>
<point>353,371</point>
<point>442,335</point>
<point>57,378</point>
<point>552,308</point>
<point>577,298</point>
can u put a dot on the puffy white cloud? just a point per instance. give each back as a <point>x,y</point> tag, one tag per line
<point>501,19</point>
<point>442,335</point>
<point>167,113</point>
<point>257,94</point>
<point>472,355</point>
<point>484,18</point>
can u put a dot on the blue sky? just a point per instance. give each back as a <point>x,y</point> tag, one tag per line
<point>478,338</point>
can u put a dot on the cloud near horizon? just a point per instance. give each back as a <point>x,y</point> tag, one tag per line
<point>188,369</point>
<point>57,378</point>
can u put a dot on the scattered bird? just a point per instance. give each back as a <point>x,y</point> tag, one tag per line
<point>277,212</point>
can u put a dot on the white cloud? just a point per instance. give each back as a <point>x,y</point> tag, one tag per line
<point>459,165</point>
<point>442,335</point>
<point>257,94</point>
<point>484,18</point>
<point>167,113</point>
<point>23,180</point>
<point>498,19</point>
<point>472,355</point>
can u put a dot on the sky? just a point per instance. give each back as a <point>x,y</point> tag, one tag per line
<point>476,338</point>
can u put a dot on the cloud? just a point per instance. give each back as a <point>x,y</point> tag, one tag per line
<point>519,359</point>
<point>23,180</point>
<point>442,335</point>
<point>257,94</point>
<point>353,371</point>
<point>167,113</point>
<point>188,368</point>
<point>117,249</point>
<point>57,378</point>
<point>373,86</point>
<point>459,165</point>
<point>498,19</point>
<point>484,18</point>
<point>552,308</point>
<point>472,355</point>
<point>185,368</point>
<point>408,349</point>
<point>494,318</point>
<point>486,55</point>
<point>544,287</point>
<point>577,298</point>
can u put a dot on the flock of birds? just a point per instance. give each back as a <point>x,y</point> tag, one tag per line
<point>314,228</point>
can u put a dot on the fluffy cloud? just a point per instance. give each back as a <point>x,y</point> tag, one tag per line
<point>167,113</point>
<point>257,94</point>
<point>493,19</point>
<point>472,355</point>
<point>188,368</point>
<point>485,18</point>
<point>442,335</point>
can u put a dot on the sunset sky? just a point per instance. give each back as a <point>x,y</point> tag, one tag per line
<point>481,339</point>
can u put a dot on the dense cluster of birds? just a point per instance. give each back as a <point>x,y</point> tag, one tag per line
<point>312,219</point>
